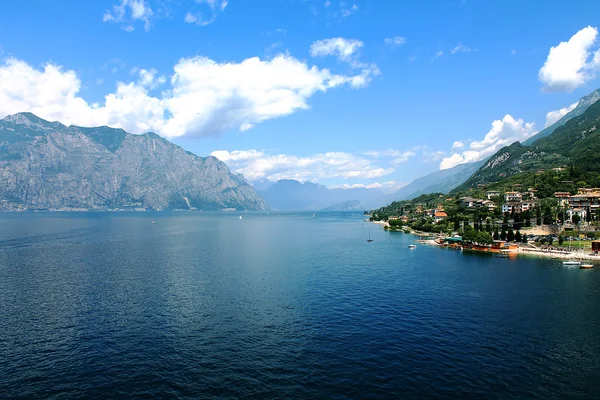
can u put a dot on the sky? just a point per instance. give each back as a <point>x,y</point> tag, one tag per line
<point>359,93</point>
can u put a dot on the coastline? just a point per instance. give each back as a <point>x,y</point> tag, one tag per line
<point>530,251</point>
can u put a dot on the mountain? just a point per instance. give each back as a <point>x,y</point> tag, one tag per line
<point>583,104</point>
<point>47,165</point>
<point>291,195</point>
<point>439,181</point>
<point>576,143</point>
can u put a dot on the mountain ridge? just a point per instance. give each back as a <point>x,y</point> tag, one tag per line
<point>47,165</point>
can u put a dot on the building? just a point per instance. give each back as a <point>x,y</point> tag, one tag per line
<point>440,216</point>
<point>512,196</point>
<point>489,204</point>
<point>492,193</point>
<point>586,198</point>
<point>468,202</point>
<point>513,206</point>
<point>581,212</point>
<point>596,246</point>
<point>528,205</point>
<point>563,198</point>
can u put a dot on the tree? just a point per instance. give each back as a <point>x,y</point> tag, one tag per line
<point>560,240</point>
<point>524,239</point>
<point>496,235</point>
<point>484,237</point>
<point>538,216</point>
<point>551,240</point>
<point>576,218</point>
<point>503,235</point>
<point>518,236</point>
<point>510,236</point>
<point>588,215</point>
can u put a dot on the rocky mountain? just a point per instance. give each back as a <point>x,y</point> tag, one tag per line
<point>583,104</point>
<point>576,143</point>
<point>47,165</point>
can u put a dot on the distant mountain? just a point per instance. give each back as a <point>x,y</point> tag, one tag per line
<point>576,143</point>
<point>350,205</point>
<point>583,104</point>
<point>291,195</point>
<point>439,181</point>
<point>47,165</point>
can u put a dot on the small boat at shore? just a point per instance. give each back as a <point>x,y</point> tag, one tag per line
<point>572,262</point>
<point>586,266</point>
<point>412,246</point>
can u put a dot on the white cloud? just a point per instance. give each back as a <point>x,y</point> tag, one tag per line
<point>457,145</point>
<point>571,64</point>
<point>460,49</point>
<point>327,3</point>
<point>347,10</point>
<point>387,187</point>
<point>554,116</point>
<point>128,11</point>
<point>438,55</point>
<point>203,97</point>
<point>504,132</point>
<point>254,165</point>
<point>344,49</point>
<point>395,41</point>
<point>196,17</point>
<point>433,156</point>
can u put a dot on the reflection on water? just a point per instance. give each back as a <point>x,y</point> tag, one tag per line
<point>281,306</point>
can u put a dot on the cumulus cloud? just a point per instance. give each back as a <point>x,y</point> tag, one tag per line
<point>554,116</point>
<point>255,165</point>
<point>343,49</point>
<point>396,157</point>
<point>438,55</point>
<point>201,98</point>
<point>503,133</point>
<point>571,64</point>
<point>126,12</point>
<point>395,41</point>
<point>457,145</point>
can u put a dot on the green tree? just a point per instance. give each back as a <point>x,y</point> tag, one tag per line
<point>576,218</point>
<point>524,239</point>
<point>518,237</point>
<point>510,236</point>
<point>496,235</point>
<point>484,237</point>
<point>503,235</point>
<point>538,216</point>
<point>560,240</point>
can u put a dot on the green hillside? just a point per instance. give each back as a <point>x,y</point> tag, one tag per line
<point>575,144</point>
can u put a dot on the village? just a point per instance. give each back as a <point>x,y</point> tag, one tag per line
<point>513,222</point>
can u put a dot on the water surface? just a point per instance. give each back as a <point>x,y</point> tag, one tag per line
<point>202,305</point>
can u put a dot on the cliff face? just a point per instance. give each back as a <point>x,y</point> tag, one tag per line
<point>46,165</point>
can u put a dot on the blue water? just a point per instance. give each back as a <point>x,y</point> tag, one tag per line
<point>203,305</point>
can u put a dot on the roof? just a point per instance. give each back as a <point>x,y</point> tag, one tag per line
<point>441,214</point>
<point>512,193</point>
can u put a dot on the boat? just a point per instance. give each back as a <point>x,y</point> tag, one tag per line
<point>152,221</point>
<point>314,215</point>
<point>586,266</point>
<point>412,246</point>
<point>240,217</point>
<point>572,262</point>
<point>369,239</point>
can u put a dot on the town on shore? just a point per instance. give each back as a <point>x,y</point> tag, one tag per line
<point>564,224</point>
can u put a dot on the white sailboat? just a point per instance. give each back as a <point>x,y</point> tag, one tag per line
<point>240,217</point>
<point>369,239</point>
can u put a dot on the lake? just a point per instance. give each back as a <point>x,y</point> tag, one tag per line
<point>205,305</point>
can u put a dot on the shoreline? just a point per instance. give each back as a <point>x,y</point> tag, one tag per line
<point>521,250</point>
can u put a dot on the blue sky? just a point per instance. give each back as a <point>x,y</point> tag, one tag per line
<point>371,93</point>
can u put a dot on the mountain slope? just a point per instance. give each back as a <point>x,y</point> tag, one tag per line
<point>577,143</point>
<point>46,165</point>
<point>291,195</point>
<point>583,104</point>
<point>439,181</point>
